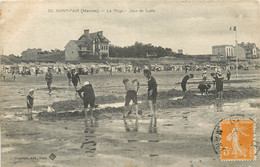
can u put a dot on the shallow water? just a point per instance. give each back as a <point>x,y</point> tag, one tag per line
<point>171,134</point>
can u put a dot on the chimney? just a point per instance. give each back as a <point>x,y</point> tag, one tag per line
<point>100,33</point>
<point>86,32</point>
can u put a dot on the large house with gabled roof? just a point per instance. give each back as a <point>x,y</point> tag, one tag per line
<point>88,46</point>
<point>250,50</point>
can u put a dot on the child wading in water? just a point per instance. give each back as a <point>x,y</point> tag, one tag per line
<point>30,99</point>
<point>131,94</point>
<point>152,91</point>
<point>88,97</point>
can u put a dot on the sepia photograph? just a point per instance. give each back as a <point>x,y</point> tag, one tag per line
<point>132,83</point>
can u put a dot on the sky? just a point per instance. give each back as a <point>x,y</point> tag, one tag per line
<point>189,25</point>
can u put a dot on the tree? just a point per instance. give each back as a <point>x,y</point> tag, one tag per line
<point>139,50</point>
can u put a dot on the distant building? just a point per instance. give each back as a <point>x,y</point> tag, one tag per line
<point>257,52</point>
<point>180,51</point>
<point>151,55</point>
<point>224,52</point>
<point>88,46</point>
<point>250,50</point>
<point>240,53</point>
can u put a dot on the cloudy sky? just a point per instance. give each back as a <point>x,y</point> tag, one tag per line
<point>192,26</point>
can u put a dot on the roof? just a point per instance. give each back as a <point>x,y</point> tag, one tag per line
<point>80,43</point>
<point>92,36</point>
<point>216,46</point>
<point>247,45</point>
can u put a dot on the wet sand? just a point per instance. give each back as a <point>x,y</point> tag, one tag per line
<point>180,136</point>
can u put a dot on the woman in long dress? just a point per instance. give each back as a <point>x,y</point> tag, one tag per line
<point>234,138</point>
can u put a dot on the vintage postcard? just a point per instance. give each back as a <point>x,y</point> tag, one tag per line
<point>130,83</point>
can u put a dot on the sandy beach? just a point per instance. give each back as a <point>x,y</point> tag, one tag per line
<point>180,136</point>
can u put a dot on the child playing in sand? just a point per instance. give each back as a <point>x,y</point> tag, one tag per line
<point>29,100</point>
<point>131,94</point>
<point>152,91</point>
<point>219,83</point>
<point>88,97</point>
<point>204,88</point>
<point>184,81</point>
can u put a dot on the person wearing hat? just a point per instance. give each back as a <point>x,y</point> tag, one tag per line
<point>204,76</point>
<point>131,94</point>
<point>48,79</point>
<point>88,97</point>
<point>29,101</point>
<point>219,83</point>
<point>75,78</point>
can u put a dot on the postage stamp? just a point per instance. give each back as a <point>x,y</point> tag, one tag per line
<point>237,139</point>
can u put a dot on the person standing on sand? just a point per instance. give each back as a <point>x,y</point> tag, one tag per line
<point>184,81</point>
<point>204,76</point>
<point>13,73</point>
<point>88,97</point>
<point>36,71</point>
<point>219,83</point>
<point>131,94</point>
<point>75,78</point>
<point>228,74</point>
<point>110,71</point>
<point>69,76</point>
<point>91,70</point>
<point>48,79</point>
<point>59,70</point>
<point>29,101</point>
<point>152,91</point>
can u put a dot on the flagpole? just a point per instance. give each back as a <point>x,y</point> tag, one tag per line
<point>236,54</point>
